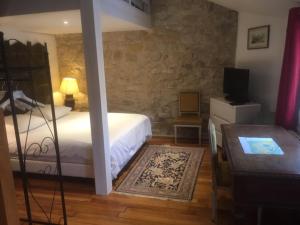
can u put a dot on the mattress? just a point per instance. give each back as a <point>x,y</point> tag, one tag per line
<point>127,133</point>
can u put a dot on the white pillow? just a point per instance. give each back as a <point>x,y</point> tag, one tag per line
<point>60,111</point>
<point>23,122</point>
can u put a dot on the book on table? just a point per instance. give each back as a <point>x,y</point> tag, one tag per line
<point>260,146</point>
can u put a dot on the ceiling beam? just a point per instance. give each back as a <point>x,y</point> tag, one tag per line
<point>17,7</point>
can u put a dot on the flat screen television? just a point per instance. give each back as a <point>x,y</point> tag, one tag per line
<point>235,86</point>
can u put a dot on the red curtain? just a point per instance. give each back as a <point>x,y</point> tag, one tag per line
<point>289,89</point>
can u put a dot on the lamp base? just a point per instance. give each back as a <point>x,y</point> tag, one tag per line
<point>70,101</point>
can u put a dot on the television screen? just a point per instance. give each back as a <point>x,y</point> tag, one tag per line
<point>235,85</point>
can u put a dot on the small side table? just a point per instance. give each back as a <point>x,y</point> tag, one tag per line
<point>188,121</point>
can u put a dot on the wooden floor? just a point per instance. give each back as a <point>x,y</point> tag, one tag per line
<point>84,207</point>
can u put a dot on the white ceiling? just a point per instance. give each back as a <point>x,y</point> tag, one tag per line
<point>265,7</point>
<point>53,23</point>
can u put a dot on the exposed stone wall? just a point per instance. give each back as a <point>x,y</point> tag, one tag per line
<point>191,42</point>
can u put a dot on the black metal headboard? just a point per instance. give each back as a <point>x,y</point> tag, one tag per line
<point>19,57</point>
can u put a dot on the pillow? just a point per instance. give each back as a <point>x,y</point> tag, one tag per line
<point>20,108</point>
<point>30,104</point>
<point>60,111</point>
<point>23,122</point>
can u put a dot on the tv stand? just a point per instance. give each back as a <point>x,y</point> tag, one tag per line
<point>233,101</point>
<point>238,103</point>
<point>223,111</point>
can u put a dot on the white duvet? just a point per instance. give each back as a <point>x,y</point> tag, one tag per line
<point>127,133</point>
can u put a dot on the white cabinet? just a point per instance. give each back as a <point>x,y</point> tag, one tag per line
<point>221,112</point>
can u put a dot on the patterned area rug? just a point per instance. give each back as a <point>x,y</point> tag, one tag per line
<point>165,172</point>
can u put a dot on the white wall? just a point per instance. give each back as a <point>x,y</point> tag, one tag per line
<point>264,64</point>
<point>42,38</point>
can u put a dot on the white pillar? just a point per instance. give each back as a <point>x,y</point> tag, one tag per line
<point>94,62</point>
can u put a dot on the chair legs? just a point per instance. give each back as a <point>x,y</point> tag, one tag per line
<point>175,134</point>
<point>214,207</point>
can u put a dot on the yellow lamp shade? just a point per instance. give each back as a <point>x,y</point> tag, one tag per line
<point>69,86</point>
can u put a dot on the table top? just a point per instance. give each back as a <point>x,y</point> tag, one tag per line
<point>241,163</point>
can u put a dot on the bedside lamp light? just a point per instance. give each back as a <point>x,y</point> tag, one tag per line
<point>58,98</point>
<point>69,87</point>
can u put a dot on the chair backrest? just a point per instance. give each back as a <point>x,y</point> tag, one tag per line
<point>214,151</point>
<point>189,102</point>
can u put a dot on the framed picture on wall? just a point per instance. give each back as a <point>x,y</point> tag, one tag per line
<point>258,37</point>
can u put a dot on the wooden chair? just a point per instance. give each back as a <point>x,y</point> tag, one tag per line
<point>189,112</point>
<point>221,178</point>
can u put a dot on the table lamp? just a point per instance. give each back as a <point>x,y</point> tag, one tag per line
<point>69,87</point>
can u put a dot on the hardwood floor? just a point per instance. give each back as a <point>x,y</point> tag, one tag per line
<point>84,207</point>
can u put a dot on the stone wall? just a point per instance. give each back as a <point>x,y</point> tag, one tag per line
<point>191,42</point>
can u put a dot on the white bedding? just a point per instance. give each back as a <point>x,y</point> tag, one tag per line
<point>127,134</point>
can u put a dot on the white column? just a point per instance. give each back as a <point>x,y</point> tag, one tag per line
<point>94,62</point>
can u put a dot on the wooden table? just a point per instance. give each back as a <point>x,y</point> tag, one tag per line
<point>263,180</point>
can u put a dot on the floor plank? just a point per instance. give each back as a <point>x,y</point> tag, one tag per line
<point>84,207</point>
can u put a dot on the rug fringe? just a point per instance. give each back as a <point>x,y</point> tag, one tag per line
<point>151,197</point>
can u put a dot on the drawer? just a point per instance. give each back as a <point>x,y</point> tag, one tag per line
<point>218,122</point>
<point>219,138</point>
<point>222,110</point>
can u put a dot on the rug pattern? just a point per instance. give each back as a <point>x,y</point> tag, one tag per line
<point>165,172</point>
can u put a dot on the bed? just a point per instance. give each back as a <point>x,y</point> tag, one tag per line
<point>127,133</point>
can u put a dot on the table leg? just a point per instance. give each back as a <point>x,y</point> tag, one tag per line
<point>238,215</point>
<point>259,215</point>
